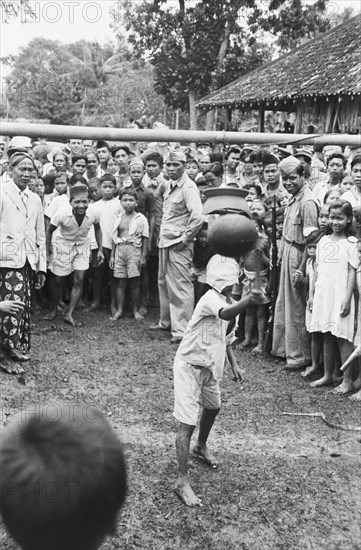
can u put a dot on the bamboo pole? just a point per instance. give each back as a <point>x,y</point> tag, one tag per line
<point>186,136</point>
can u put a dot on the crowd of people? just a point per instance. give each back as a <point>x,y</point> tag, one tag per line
<point>99,225</point>
<point>92,224</point>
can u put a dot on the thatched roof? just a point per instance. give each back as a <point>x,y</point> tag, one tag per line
<point>328,65</point>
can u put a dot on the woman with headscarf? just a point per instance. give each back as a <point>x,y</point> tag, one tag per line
<point>22,252</point>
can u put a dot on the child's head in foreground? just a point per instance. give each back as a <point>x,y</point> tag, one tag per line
<point>63,478</point>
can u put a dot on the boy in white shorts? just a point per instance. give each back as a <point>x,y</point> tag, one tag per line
<point>198,366</point>
<point>71,249</point>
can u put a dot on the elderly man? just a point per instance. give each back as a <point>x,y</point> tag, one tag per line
<point>22,251</point>
<point>290,339</point>
<point>182,219</point>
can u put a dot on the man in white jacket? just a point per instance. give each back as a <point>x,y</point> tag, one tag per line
<point>22,252</point>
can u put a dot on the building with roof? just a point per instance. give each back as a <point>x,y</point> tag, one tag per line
<point>320,81</point>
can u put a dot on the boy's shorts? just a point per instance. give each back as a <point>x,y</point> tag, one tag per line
<point>127,261</point>
<point>68,258</point>
<point>194,386</point>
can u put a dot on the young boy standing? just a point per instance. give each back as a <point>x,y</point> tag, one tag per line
<point>109,208</point>
<point>198,367</point>
<point>71,249</point>
<point>129,253</point>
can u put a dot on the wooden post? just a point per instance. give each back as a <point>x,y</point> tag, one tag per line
<point>261,118</point>
<point>298,121</point>
<point>229,118</point>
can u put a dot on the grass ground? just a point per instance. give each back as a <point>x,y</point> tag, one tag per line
<point>285,483</point>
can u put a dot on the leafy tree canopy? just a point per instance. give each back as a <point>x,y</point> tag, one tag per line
<point>198,46</point>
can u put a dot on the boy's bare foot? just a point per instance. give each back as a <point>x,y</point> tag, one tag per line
<point>205,454</point>
<point>69,319</point>
<point>143,310</point>
<point>356,396</point>
<point>113,309</point>
<point>51,316</point>
<point>138,316</point>
<point>185,492</point>
<point>343,388</point>
<point>258,350</point>
<point>310,371</point>
<point>324,381</point>
<point>245,344</point>
<point>117,315</point>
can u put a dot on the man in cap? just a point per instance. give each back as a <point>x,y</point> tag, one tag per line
<point>22,252</point>
<point>272,178</point>
<point>182,219</point>
<point>290,339</point>
<point>103,151</point>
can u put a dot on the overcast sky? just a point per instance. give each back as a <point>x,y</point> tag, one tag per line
<point>69,21</point>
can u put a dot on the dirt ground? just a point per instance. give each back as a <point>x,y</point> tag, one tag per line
<point>285,483</point>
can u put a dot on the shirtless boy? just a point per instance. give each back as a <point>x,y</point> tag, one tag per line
<point>130,244</point>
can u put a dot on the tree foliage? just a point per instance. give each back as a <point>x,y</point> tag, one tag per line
<point>198,46</point>
<point>79,83</point>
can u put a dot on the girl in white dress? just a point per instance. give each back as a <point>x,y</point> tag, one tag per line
<point>331,295</point>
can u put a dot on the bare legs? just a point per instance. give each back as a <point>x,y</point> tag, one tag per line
<point>121,285</point>
<point>316,349</point>
<point>182,486</point>
<point>346,348</point>
<point>333,348</point>
<point>76,292</point>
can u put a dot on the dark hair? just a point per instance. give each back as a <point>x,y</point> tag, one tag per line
<point>155,157</point>
<point>73,472</point>
<point>75,159</point>
<point>256,157</point>
<point>336,156</point>
<point>127,191</point>
<point>48,181</point>
<point>268,159</point>
<point>102,144</point>
<point>91,153</point>
<point>216,157</point>
<point>356,160</point>
<point>314,237</point>
<point>119,147</point>
<point>216,168</point>
<point>192,159</point>
<point>77,178</point>
<point>346,208</point>
<point>59,175</point>
<point>255,186</point>
<point>108,177</point>
<point>236,150</point>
